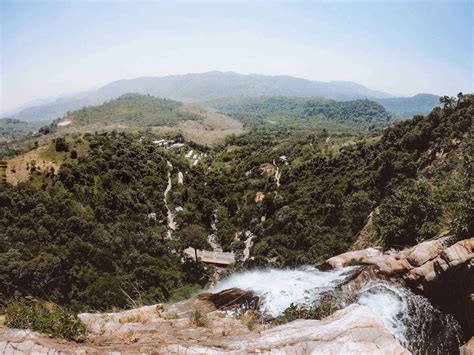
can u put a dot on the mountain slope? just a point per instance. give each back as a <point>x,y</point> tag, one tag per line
<point>306,112</point>
<point>420,104</point>
<point>201,87</point>
<point>11,128</point>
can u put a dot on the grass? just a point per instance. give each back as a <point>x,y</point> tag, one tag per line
<point>198,318</point>
<point>250,320</point>
<point>44,159</point>
<point>45,318</point>
<point>135,318</point>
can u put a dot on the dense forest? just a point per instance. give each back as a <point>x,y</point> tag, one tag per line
<point>93,234</point>
<point>135,109</point>
<point>337,116</point>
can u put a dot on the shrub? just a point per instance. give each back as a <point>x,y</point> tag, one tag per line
<point>44,317</point>
<point>250,320</point>
<point>198,319</point>
<point>294,312</point>
<point>61,145</point>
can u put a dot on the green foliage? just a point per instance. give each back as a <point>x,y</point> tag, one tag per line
<point>45,318</point>
<point>197,318</point>
<point>294,312</point>
<point>184,292</point>
<point>11,129</point>
<point>91,222</point>
<point>87,231</point>
<point>194,236</point>
<point>250,320</point>
<point>312,113</point>
<point>61,145</point>
<point>134,109</point>
<point>408,216</point>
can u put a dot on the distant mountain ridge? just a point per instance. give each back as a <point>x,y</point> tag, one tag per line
<point>420,104</point>
<point>202,87</point>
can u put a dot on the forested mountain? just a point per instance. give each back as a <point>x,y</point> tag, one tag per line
<point>407,107</point>
<point>130,109</point>
<point>306,112</point>
<point>132,112</point>
<point>198,88</point>
<point>92,233</point>
<point>11,128</point>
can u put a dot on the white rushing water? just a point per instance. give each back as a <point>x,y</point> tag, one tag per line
<point>410,318</point>
<point>278,288</point>
<point>390,303</point>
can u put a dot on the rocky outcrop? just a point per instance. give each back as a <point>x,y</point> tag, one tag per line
<point>357,256</point>
<point>441,269</point>
<point>468,348</point>
<point>352,330</point>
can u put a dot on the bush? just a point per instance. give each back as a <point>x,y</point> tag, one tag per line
<point>61,145</point>
<point>250,320</point>
<point>294,312</point>
<point>198,319</point>
<point>44,317</point>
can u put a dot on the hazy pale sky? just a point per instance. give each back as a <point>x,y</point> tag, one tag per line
<point>403,47</point>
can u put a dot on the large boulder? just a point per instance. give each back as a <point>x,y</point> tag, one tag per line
<point>357,256</point>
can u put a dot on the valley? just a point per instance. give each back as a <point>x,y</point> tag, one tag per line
<point>236,177</point>
<point>107,208</point>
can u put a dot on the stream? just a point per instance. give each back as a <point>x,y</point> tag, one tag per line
<point>411,319</point>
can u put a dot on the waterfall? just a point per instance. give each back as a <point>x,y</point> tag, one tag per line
<point>411,319</point>
<point>278,288</point>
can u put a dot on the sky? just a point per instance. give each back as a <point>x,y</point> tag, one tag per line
<point>403,47</point>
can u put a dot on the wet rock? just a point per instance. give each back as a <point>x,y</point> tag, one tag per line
<point>361,256</point>
<point>230,298</point>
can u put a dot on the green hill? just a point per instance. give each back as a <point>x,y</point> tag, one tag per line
<point>133,110</point>
<point>361,115</point>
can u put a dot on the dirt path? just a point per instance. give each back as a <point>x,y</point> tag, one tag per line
<point>170,216</point>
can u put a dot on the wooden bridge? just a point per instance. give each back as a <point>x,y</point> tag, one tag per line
<point>212,257</point>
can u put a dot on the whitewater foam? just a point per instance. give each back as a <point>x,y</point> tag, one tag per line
<point>279,288</point>
<point>410,318</point>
